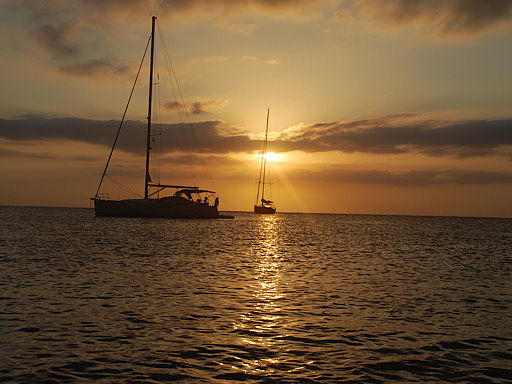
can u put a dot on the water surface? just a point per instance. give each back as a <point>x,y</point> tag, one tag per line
<point>260,299</point>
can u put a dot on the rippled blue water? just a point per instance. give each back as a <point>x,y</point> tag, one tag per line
<point>260,299</point>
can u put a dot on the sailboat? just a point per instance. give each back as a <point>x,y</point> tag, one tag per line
<point>185,202</point>
<point>264,206</point>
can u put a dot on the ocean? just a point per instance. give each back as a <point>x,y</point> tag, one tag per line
<point>290,298</point>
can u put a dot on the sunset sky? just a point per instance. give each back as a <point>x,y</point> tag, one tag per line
<point>376,106</point>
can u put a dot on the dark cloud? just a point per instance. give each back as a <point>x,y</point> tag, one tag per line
<point>442,17</point>
<point>72,35</point>
<point>178,6</point>
<point>383,135</point>
<point>205,136</point>
<point>10,154</point>
<point>7,153</point>
<point>405,179</point>
<point>197,107</point>
<point>75,33</point>
<point>196,159</point>
<point>398,134</point>
<point>30,116</point>
<point>402,134</point>
<point>57,39</point>
<point>172,105</point>
<point>93,67</point>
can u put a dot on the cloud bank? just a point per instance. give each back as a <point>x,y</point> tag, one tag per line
<point>202,136</point>
<point>405,179</point>
<point>391,135</point>
<point>399,134</point>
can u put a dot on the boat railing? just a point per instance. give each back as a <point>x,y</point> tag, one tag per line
<point>106,196</point>
<point>103,196</point>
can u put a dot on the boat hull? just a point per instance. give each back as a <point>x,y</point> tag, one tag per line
<point>154,208</point>
<point>264,210</point>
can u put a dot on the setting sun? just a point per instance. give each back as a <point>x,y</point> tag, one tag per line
<point>275,157</point>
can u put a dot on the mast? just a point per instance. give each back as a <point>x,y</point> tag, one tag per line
<point>265,156</point>
<point>148,180</point>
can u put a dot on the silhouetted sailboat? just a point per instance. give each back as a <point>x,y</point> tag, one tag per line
<point>186,202</point>
<point>264,206</point>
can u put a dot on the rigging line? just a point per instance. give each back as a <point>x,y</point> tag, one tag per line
<point>263,163</point>
<point>155,154</point>
<point>122,186</point>
<point>168,62</point>
<point>122,120</point>
<point>265,156</point>
<point>119,185</point>
<point>158,136</point>
<point>270,165</point>
<point>169,65</point>
<point>261,169</point>
<point>186,111</point>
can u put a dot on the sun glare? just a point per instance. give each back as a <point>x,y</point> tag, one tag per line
<point>274,157</point>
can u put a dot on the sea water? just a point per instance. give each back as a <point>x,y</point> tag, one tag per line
<point>289,298</point>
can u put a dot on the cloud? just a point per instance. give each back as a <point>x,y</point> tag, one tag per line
<point>14,154</point>
<point>271,6</point>
<point>57,39</point>
<point>72,36</point>
<point>444,18</point>
<point>399,134</point>
<point>405,179</point>
<point>78,33</point>
<point>104,10</point>
<point>197,107</point>
<point>93,67</point>
<point>395,134</point>
<point>216,140</point>
<point>204,136</point>
<point>7,153</point>
<point>216,59</point>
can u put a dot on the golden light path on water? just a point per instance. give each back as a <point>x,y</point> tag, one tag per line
<point>262,324</point>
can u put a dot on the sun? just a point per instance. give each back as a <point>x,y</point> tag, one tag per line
<point>274,157</point>
<point>271,157</point>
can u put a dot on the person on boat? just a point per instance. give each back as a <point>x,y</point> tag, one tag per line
<point>217,201</point>
<point>206,200</point>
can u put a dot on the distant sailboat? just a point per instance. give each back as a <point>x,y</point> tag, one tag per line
<point>264,206</point>
<point>186,202</point>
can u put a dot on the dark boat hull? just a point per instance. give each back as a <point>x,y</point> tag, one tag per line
<point>154,208</point>
<point>264,210</point>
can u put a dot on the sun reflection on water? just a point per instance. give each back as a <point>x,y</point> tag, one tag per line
<point>260,328</point>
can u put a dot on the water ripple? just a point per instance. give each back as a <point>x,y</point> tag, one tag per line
<point>285,299</point>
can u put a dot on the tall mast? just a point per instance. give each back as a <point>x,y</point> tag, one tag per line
<point>149,106</point>
<point>265,157</point>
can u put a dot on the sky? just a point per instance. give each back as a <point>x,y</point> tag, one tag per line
<point>376,106</point>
